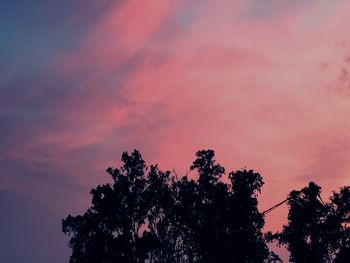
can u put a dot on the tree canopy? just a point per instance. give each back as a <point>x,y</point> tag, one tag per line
<point>149,215</point>
<point>317,231</point>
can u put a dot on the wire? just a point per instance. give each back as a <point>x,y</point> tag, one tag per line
<point>275,206</point>
<point>285,200</point>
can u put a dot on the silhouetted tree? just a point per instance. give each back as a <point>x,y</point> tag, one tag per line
<point>147,215</point>
<point>161,217</point>
<point>210,208</point>
<point>111,230</point>
<point>221,222</point>
<point>302,234</point>
<point>338,223</point>
<point>246,237</point>
<point>317,231</point>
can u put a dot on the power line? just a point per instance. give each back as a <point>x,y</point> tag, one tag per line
<point>275,206</point>
<point>285,200</point>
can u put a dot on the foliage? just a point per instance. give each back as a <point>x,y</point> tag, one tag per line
<point>147,215</point>
<point>317,231</point>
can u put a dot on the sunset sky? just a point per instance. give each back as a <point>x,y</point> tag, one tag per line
<point>266,84</point>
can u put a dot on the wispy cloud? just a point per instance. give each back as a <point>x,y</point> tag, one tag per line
<point>264,84</point>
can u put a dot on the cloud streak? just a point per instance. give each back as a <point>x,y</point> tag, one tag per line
<point>263,84</point>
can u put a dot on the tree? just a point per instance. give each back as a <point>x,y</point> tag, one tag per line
<point>210,208</point>
<point>222,221</point>
<point>302,234</point>
<point>161,217</point>
<point>317,231</point>
<point>146,214</point>
<point>247,241</point>
<point>111,230</point>
<point>338,223</point>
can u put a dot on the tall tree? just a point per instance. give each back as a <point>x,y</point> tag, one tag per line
<point>246,237</point>
<point>111,230</point>
<point>227,225</point>
<point>338,225</point>
<point>210,208</point>
<point>317,231</point>
<point>161,217</point>
<point>147,215</point>
<point>302,234</point>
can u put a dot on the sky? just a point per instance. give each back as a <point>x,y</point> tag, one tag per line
<point>266,84</point>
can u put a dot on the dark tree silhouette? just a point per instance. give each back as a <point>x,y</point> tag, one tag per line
<point>339,225</point>
<point>221,222</point>
<point>302,234</point>
<point>209,209</point>
<point>317,231</point>
<point>162,230</point>
<point>246,236</point>
<point>148,215</point>
<point>111,230</point>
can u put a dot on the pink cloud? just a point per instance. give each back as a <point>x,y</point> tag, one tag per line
<point>263,83</point>
<point>264,93</point>
<point>122,33</point>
